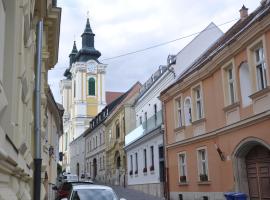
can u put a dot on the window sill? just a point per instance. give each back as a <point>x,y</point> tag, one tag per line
<point>260,93</point>
<point>198,121</point>
<point>204,182</point>
<point>231,106</point>
<point>152,172</point>
<point>183,183</point>
<point>179,128</point>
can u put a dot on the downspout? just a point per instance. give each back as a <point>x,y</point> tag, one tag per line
<point>37,159</point>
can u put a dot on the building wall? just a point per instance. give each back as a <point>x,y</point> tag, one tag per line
<point>95,149</point>
<point>224,125</point>
<point>17,67</point>
<point>77,156</point>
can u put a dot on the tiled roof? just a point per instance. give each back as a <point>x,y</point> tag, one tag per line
<point>229,37</point>
<point>111,96</point>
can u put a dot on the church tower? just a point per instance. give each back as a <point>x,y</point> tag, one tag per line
<point>83,90</point>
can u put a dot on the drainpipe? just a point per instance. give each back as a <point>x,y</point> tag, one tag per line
<point>37,159</point>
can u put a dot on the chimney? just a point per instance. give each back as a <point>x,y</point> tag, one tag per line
<point>243,12</point>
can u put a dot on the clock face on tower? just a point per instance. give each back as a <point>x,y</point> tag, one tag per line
<point>91,67</point>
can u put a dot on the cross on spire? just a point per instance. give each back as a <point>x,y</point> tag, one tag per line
<point>87,14</point>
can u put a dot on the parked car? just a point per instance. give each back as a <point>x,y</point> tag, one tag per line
<point>70,177</point>
<point>92,192</point>
<point>65,188</point>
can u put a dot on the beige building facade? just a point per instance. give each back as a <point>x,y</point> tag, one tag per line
<point>217,116</point>
<point>18,21</point>
<point>118,123</point>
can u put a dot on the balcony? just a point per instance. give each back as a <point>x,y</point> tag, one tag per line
<point>146,127</point>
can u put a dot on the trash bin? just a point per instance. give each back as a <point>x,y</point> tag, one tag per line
<point>229,195</point>
<point>240,196</point>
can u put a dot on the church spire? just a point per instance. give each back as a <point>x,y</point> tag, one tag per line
<point>88,50</point>
<point>73,53</point>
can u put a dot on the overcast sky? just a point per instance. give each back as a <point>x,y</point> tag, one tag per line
<point>123,26</point>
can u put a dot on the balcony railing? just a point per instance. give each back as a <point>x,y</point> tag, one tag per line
<point>153,122</point>
<point>147,126</point>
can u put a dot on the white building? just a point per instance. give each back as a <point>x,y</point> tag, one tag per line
<point>77,154</point>
<point>144,145</point>
<point>83,91</point>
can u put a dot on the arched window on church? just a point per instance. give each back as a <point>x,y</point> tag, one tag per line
<point>91,87</point>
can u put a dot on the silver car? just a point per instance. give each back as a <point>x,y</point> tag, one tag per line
<point>92,192</point>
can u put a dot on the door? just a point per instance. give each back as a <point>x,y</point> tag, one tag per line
<point>258,173</point>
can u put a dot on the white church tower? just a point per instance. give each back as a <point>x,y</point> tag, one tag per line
<point>83,90</point>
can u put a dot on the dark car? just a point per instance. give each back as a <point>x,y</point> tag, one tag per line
<point>64,189</point>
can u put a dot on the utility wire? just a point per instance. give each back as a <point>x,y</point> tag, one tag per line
<point>161,44</point>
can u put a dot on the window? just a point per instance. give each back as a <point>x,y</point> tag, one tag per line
<point>131,163</point>
<point>100,167</point>
<point>140,120</point>
<point>124,125</point>
<point>198,102</point>
<point>179,113</point>
<point>96,141</point>
<point>260,68</point>
<point>155,113</point>
<point>117,130</point>
<point>152,158</point>
<point>202,165</point>
<point>231,85</point>
<point>74,94</point>
<point>182,168</point>
<point>187,110</point>
<point>91,87</point>
<point>145,119</point>
<point>136,163</point>
<point>245,84</point>
<point>103,161</point>
<point>145,160</point>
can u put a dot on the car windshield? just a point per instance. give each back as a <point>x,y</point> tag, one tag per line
<point>94,194</point>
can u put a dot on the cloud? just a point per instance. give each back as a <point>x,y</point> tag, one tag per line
<point>123,26</point>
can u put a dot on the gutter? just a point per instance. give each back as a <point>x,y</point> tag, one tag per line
<point>37,100</point>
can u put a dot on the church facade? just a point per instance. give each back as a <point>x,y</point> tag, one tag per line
<point>83,93</point>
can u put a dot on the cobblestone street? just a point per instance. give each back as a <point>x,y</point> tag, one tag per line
<point>130,194</point>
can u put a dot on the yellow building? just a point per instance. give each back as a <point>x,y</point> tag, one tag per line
<point>83,92</point>
<point>18,20</point>
<point>117,124</point>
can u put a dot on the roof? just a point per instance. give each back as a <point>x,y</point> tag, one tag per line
<point>228,38</point>
<point>111,96</point>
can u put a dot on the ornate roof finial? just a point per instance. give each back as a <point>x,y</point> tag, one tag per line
<point>87,14</point>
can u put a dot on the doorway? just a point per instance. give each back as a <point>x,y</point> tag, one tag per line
<point>258,172</point>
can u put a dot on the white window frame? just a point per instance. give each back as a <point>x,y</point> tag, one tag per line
<point>198,113</point>
<point>260,42</point>
<point>178,112</point>
<point>231,85</point>
<point>131,163</point>
<point>261,78</point>
<point>188,112</point>
<point>136,162</point>
<point>182,166</point>
<point>200,162</point>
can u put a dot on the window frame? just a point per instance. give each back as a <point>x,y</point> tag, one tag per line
<point>145,158</point>
<point>178,105</point>
<point>262,80</point>
<point>152,156</point>
<point>200,162</point>
<point>95,86</point>
<point>180,173</point>
<point>260,42</point>
<point>195,100</point>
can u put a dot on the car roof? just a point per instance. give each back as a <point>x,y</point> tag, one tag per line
<point>90,186</point>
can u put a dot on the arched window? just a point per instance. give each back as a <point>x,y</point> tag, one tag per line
<point>91,87</point>
<point>117,130</point>
<point>187,111</point>
<point>245,84</point>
